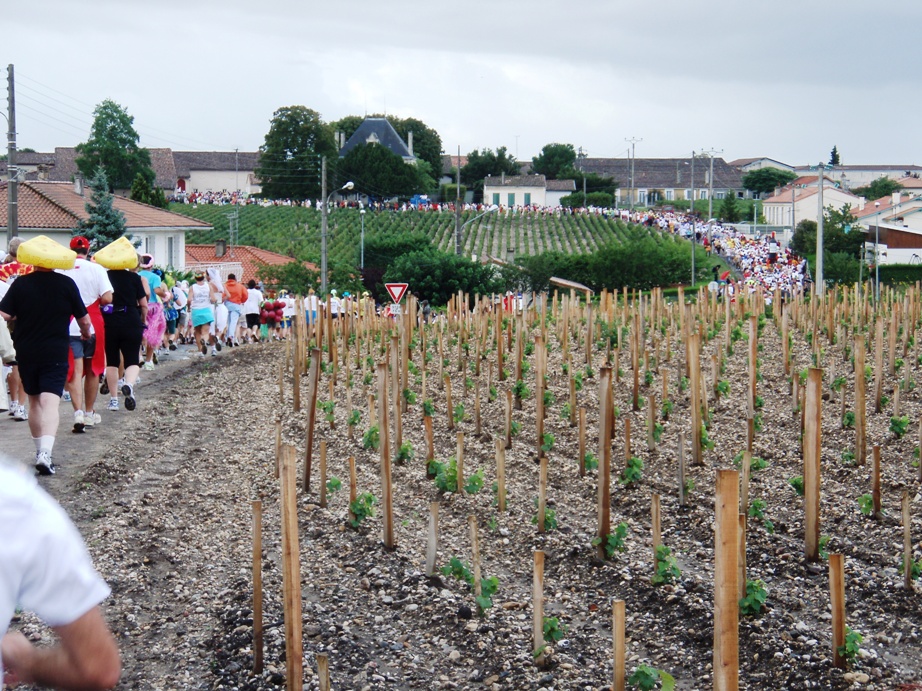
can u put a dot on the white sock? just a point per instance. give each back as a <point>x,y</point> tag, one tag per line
<point>14,405</point>
<point>78,412</point>
<point>46,442</point>
<point>38,443</point>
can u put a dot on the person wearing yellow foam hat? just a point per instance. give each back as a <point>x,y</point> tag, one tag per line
<point>41,305</point>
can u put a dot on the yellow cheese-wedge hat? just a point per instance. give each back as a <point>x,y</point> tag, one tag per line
<point>44,252</point>
<point>120,254</point>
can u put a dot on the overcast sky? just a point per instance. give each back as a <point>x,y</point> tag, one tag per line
<point>786,79</point>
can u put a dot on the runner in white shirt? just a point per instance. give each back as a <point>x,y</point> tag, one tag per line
<point>89,356</point>
<point>45,568</point>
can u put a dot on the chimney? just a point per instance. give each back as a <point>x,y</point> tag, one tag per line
<point>861,202</point>
<point>78,184</point>
<point>895,198</point>
<point>410,142</point>
<point>220,248</point>
<point>502,179</point>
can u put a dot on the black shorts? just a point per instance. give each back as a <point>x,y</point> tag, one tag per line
<point>83,349</point>
<point>252,321</point>
<point>43,377</point>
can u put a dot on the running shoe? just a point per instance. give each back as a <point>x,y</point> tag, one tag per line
<point>43,464</point>
<point>172,345</point>
<point>204,347</point>
<point>91,419</point>
<point>79,422</point>
<point>113,404</point>
<point>156,361</point>
<point>66,397</point>
<point>104,387</point>
<point>149,366</point>
<point>128,393</point>
<point>217,344</point>
<point>21,414</point>
<point>214,353</point>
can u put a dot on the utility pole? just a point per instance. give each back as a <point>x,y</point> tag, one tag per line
<point>12,190</point>
<point>632,141</point>
<point>236,183</point>
<point>458,204</point>
<point>692,216</point>
<point>711,153</point>
<point>821,174</point>
<point>323,227</point>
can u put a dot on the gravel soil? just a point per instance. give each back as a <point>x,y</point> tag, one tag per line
<point>163,498</point>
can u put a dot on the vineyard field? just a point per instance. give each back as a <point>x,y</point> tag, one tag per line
<point>295,231</point>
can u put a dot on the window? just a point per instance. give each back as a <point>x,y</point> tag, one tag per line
<point>642,197</point>
<point>171,251</point>
<point>528,199</point>
<point>496,199</point>
<point>510,199</point>
<point>719,195</point>
<point>702,194</point>
<point>670,195</point>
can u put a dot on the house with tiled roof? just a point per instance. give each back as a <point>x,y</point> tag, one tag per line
<point>894,223</point>
<point>747,165</point>
<point>216,171</point>
<point>64,167</point>
<point>850,176</point>
<point>798,201</point>
<point>244,261</point>
<point>55,208</point>
<point>657,180</point>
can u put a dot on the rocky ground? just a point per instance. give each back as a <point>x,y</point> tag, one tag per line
<point>163,497</point>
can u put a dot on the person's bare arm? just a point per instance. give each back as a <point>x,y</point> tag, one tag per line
<point>86,657</point>
<point>6,316</point>
<point>106,298</point>
<point>142,303</point>
<point>85,325</point>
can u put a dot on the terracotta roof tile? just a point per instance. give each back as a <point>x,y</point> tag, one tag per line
<point>56,205</point>
<point>515,181</point>
<point>249,257</point>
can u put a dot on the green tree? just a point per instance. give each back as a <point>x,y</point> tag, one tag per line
<point>765,180</point>
<point>553,160</point>
<point>381,251</point>
<point>436,276</point>
<point>729,208</point>
<point>348,125</point>
<point>140,190</point>
<point>575,199</point>
<point>105,223</point>
<point>480,164</point>
<point>835,238</point>
<point>113,145</point>
<point>378,172</point>
<point>427,144</point>
<point>289,162</point>
<point>293,276</point>
<point>881,187</point>
<point>834,156</point>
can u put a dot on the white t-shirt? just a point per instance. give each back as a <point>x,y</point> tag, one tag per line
<point>44,565</point>
<point>254,297</point>
<point>199,296</point>
<point>92,281</point>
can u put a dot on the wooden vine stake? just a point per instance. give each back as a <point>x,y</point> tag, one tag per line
<point>313,382</point>
<point>291,572</point>
<point>875,481</point>
<point>618,644</point>
<point>353,486</point>
<point>257,587</point>
<point>907,542</point>
<point>432,543</point>
<point>656,522</point>
<point>384,454</point>
<point>323,473</point>
<point>812,439</point>
<point>450,410</point>
<point>861,409</point>
<point>837,601</point>
<point>508,443</point>
<point>538,606</point>
<point>459,461</point>
<point>323,671</point>
<point>604,499</point>
<point>694,373</point>
<point>475,555</point>
<point>500,475</point>
<point>726,588</point>
<point>542,493</point>
<point>681,468</point>
<point>582,442</point>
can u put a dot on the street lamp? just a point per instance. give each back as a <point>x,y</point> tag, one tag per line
<point>362,214</point>
<point>323,234</point>
<point>467,223</point>
<point>877,254</point>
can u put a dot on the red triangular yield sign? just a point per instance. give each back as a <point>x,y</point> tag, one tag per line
<point>397,290</point>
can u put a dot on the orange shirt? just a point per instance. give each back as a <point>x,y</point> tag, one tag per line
<point>235,292</point>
